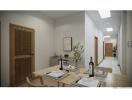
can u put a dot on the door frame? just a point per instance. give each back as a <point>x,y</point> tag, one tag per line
<point>12,53</point>
<point>96,50</point>
<point>103,49</point>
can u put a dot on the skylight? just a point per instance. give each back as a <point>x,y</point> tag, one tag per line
<point>107,36</point>
<point>109,29</point>
<point>104,14</point>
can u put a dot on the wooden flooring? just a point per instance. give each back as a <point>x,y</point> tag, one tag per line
<point>116,80</point>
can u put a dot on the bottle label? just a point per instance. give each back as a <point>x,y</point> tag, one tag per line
<point>90,69</point>
<point>60,63</point>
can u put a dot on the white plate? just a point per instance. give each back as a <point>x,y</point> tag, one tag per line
<point>56,74</point>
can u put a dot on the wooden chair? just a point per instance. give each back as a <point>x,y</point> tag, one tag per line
<point>30,84</point>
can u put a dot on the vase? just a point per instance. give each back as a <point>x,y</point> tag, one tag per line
<point>77,66</point>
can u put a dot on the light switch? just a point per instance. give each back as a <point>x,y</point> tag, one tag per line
<point>129,43</point>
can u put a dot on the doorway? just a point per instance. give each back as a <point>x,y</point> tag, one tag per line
<point>22,53</point>
<point>96,50</point>
<point>108,49</point>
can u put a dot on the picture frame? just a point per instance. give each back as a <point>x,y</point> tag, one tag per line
<point>67,44</point>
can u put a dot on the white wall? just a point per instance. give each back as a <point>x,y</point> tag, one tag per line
<point>44,34</point>
<point>125,52</point>
<point>111,40</point>
<point>90,32</point>
<point>70,26</point>
<point>122,44</point>
<point>118,45</point>
<point>129,49</point>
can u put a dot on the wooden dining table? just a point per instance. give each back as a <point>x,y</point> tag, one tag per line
<point>68,79</point>
<point>45,80</point>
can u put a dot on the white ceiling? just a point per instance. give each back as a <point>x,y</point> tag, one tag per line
<point>58,14</point>
<point>102,24</point>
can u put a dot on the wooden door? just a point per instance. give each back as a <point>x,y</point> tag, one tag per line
<point>108,49</point>
<point>22,57</point>
<point>96,51</point>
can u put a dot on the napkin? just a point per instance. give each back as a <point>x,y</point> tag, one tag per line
<point>56,74</point>
<point>88,82</point>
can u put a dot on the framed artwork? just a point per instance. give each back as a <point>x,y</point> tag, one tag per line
<point>67,43</point>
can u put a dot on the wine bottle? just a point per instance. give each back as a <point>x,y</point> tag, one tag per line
<point>61,66</point>
<point>91,68</point>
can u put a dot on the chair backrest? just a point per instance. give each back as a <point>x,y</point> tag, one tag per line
<point>30,84</point>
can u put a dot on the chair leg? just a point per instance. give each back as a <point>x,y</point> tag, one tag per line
<point>41,80</point>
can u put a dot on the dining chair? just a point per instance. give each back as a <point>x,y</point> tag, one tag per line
<point>31,84</point>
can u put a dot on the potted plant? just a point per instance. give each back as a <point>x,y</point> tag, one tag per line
<point>77,50</point>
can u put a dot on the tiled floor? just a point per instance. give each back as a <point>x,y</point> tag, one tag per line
<point>117,79</point>
<point>111,62</point>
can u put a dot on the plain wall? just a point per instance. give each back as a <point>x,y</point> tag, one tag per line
<point>44,34</point>
<point>122,43</point>
<point>91,31</point>
<point>70,26</point>
<point>111,40</point>
<point>119,46</point>
<point>129,49</point>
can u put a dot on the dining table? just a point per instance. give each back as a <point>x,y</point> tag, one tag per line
<point>69,79</point>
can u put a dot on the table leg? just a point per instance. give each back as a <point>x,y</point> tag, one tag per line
<point>41,80</point>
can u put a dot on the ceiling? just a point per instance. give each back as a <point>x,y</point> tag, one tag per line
<point>60,13</point>
<point>102,24</point>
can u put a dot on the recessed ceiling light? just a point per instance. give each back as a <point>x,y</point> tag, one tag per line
<point>109,29</point>
<point>107,36</point>
<point>104,13</point>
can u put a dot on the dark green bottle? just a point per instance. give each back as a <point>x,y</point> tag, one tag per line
<point>91,68</point>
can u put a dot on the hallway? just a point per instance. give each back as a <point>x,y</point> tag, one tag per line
<point>111,62</point>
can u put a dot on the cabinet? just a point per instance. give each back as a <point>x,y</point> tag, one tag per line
<point>54,60</point>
